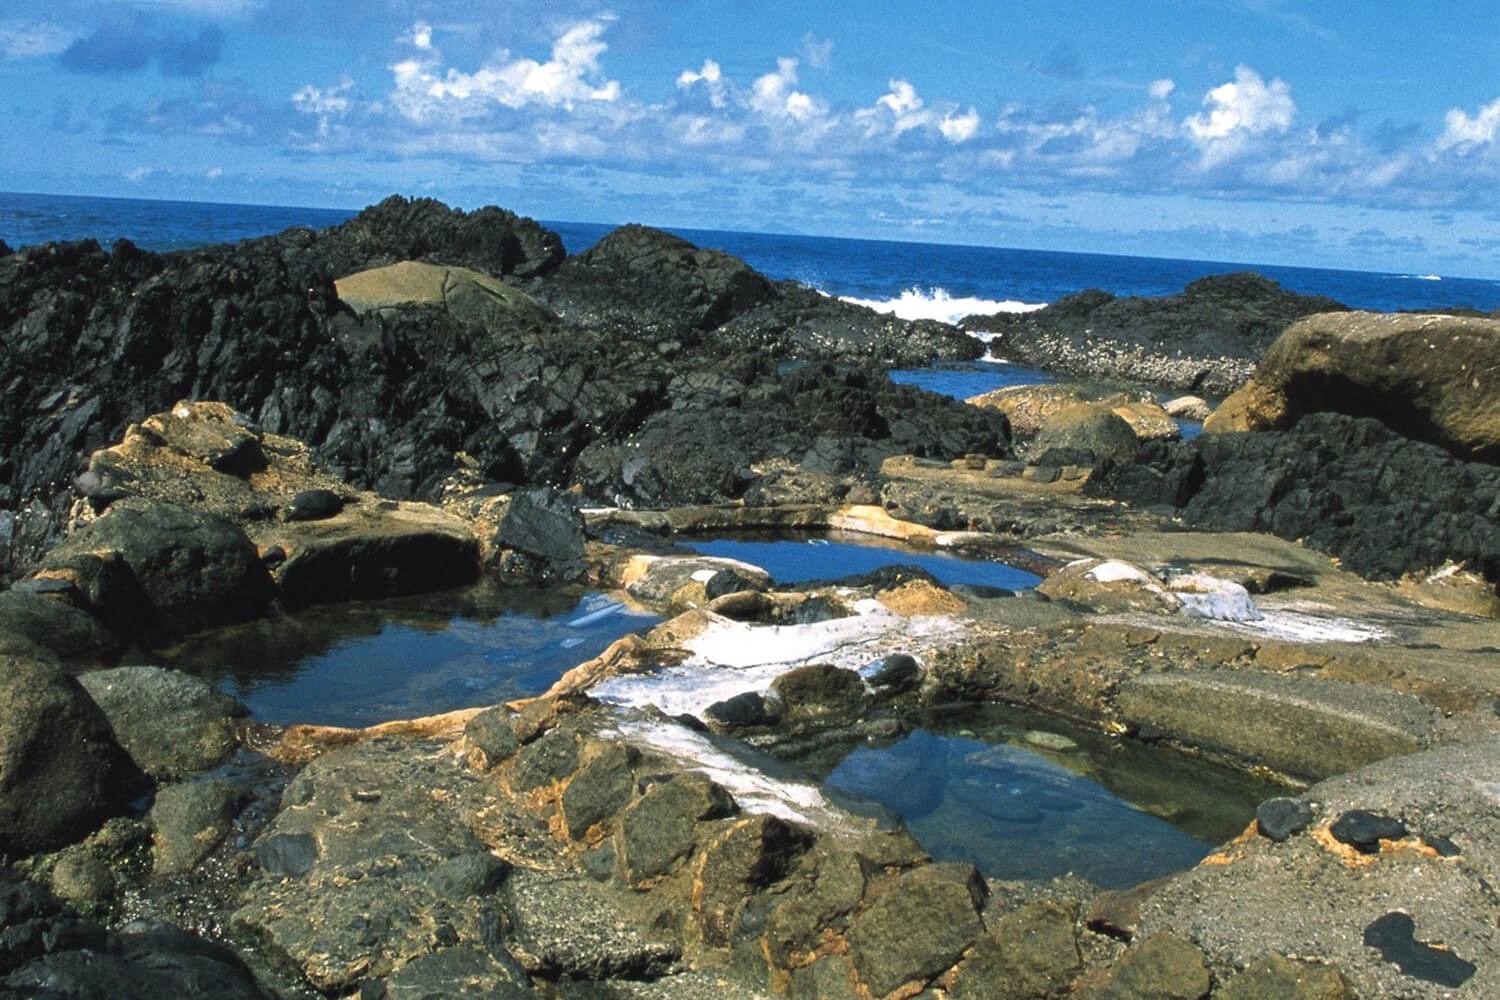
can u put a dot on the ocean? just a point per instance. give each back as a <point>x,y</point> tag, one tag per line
<point>914,280</point>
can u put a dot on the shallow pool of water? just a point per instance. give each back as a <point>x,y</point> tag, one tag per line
<point>356,664</point>
<point>963,379</point>
<point>792,560</point>
<point>1019,796</point>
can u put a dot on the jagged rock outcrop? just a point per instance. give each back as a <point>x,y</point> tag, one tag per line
<point>1385,505</point>
<point>434,363</point>
<point>1204,339</point>
<point>1430,377</point>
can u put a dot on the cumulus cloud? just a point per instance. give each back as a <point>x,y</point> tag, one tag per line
<point>1237,112</point>
<point>1160,90</point>
<point>572,75</point>
<point>1464,132</point>
<point>776,95</point>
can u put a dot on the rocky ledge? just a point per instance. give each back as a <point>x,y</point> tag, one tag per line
<point>1205,339</point>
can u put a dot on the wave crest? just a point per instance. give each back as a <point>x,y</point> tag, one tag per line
<point>936,303</point>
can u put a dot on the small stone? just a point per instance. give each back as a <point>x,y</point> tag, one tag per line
<point>83,881</point>
<point>1050,741</point>
<point>1163,966</point>
<point>314,505</point>
<point>289,855</point>
<point>897,673</point>
<point>1364,830</point>
<point>1276,977</point>
<point>467,875</point>
<point>748,709</point>
<point>1278,819</point>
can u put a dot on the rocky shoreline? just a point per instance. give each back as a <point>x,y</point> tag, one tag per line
<point>421,399</point>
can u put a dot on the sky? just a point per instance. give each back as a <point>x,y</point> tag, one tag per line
<point>1364,136</point>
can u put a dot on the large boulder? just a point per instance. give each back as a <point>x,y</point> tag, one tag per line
<point>1083,435</point>
<point>1435,378</point>
<point>172,724</point>
<point>61,771</point>
<point>196,570</point>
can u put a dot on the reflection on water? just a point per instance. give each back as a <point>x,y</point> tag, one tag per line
<point>964,380</point>
<point>1019,802</point>
<point>359,663</point>
<point>792,560</point>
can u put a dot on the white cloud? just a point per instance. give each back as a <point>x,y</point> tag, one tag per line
<point>572,76</point>
<point>313,100</point>
<point>960,128</point>
<point>1248,104</point>
<point>213,173</point>
<point>775,96</point>
<point>1465,132</point>
<point>139,174</point>
<point>1160,90</point>
<point>1238,113</point>
<point>212,8</point>
<point>20,39</point>
<point>902,99</point>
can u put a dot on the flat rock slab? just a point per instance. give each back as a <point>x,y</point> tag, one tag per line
<point>1406,920</point>
<point>1307,727</point>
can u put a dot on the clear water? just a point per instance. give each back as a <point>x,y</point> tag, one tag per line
<point>792,560</point>
<point>976,786</point>
<point>361,663</point>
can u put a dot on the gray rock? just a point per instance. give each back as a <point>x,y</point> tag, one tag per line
<point>491,731</point>
<point>1278,819</point>
<point>826,979</point>
<point>569,927</point>
<point>172,724</point>
<point>30,621</point>
<point>451,973</point>
<point>1276,977</point>
<point>290,855</point>
<point>1309,727</point>
<point>660,828</point>
<point>918,927</point>
<point>551,757</point>
<point>1162,967</point>
<point>474,874</point>
<point>83,881</point>
<point>546,526</point>
<point>61,771</point>
<point>1087,429</point>
<point>1363,830</point>
<point>1029,953</point>
<point>190,820</point>
<point>819,689</point>
<point>600,789</point>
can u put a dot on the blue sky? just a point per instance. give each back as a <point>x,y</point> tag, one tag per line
<point>1273,131</point>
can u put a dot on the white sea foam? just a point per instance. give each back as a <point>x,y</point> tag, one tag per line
<point>936,303</point>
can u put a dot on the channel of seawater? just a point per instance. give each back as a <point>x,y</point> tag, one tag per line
<point>1018,794</point>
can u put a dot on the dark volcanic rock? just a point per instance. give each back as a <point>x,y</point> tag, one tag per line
<point>46,951</point>
<point>1385,505</point>
<point>703,453</point>
<point>61,771</point>
<point>1178,340</point>
<point>31,621</point>
<point>652,285</point>
<point>1364,830</point>
<point>196,570</point>
<point>1278,819</point>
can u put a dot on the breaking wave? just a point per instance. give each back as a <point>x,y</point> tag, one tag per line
<point>936,303</point>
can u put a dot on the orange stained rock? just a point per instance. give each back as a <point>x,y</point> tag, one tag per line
<point>919,597</point>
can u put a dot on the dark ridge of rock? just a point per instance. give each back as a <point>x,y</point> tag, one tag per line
<point>832,419</point>
<point>490,239</point>
<point>1176,340</point>
<point>649,284</point>
<point>1385,505</point>
<point>648,279</point>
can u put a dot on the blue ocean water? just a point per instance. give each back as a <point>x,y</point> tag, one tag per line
<point>915,279</point>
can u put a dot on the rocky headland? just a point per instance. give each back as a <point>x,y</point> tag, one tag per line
<point>422,399</point>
